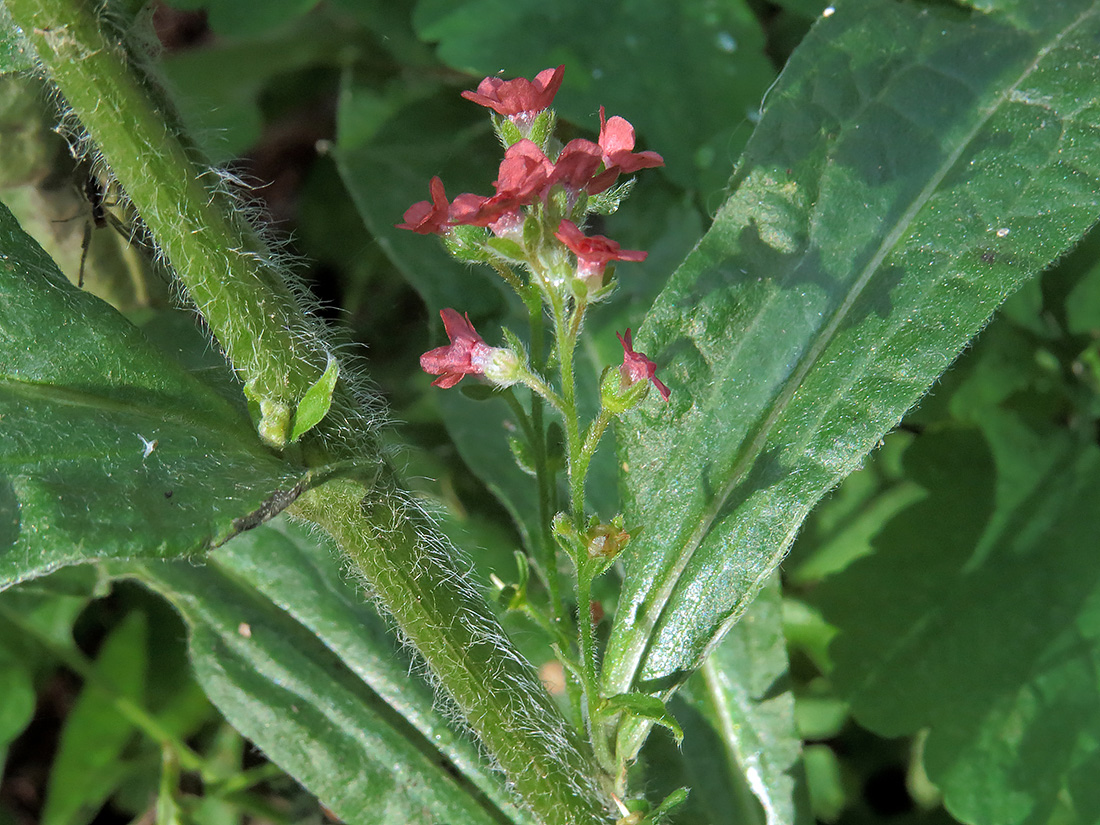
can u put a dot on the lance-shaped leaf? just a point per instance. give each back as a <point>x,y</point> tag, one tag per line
<point>300,664</point>
<point>912,169</point>
<point>742,690</point>
<point>109,449</point>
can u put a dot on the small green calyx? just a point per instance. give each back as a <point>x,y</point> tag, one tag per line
<point>617,398</point>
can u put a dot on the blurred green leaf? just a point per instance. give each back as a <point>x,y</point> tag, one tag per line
<point>886,204</point>
<point>14,56</point>
<point>299,663</point>
<point>1082,306</point>
<point>977,617</point>
<point>89,763</point>
<point>108,449</point>
<point>17,702</point>
<point>233,19</point>
<point>742,690</point>
<point>228,114</point>
<point>689,75</point>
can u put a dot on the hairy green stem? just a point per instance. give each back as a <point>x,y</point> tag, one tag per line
<point>565,328</point>
<point>279,353</point>
<point>543,477</point>
<point>546,767</point>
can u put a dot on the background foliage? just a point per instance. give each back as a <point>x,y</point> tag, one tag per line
<point>953,574</point>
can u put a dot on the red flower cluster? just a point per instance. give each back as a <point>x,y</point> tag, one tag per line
<point>526,175</point>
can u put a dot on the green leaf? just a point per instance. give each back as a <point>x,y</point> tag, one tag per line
<point>259,59</point>
<point>886,204</point>
<point>646,707</point>
<point>977,619</point>
<point>315,403</point>
<point>741,689</point>
<point>89,765</point>
<point>232,19</point>
<point>17,707</point>
<point>688,75</point>
<point>14,54</point>
<point>300,664</point>
<point>108,449</point>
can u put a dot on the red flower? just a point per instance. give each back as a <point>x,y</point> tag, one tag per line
<point>636,367</point>
<point>427,217</point>
<point>594,252</point>
<point>617,142</point>
<point>467,354</point>
<point>576,168</point>
<point>519,97</point>
<point>522,177</point>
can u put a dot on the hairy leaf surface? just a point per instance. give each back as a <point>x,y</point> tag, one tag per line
<point>912,169</point>
<point>300,664</point>
<point>108,448</point>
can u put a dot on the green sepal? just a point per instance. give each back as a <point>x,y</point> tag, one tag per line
<point>543,128</point>
<point>521,452</point>
<point>609,201</point>
<point>646,707</point>
<point>507,249</point>
<point>532,231</point>
<point>315,404</point>
<point>617,399</point>
<point>674,800</point>
<point>568,538</point>
<point>515,344</point>
<point>507,131</point>
<point>467,243</point>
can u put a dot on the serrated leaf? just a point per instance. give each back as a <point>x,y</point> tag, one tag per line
<point>315,403</point>
<point>108,449</point>
<point>742,691</point>
<point>884,207</point>
<point>298,662</point>
<point>88,765</point>
<point>977,619</point>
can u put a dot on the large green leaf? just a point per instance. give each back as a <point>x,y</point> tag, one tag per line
<point>743,691</point>
<point>299,662</point>
<point>108,449</point>
<point>978,617</point>
<point>913,167</point>
<point>689,75</point>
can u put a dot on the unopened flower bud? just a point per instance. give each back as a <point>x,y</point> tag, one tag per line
<point>501,366</point>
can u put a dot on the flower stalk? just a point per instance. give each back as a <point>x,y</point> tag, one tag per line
<point>534,222</point>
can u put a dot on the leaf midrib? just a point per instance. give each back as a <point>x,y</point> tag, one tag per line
<point>227,427</point>
<point>640,645</point>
